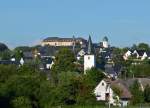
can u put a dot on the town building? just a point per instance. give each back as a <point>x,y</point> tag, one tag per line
<point>89,58</point>
<point>56,41</point>
<point>104,43</point>
<point>104,91</point>
<point>137,54</point>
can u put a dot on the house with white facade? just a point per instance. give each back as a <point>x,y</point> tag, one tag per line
<point>138,54</point>
<point>127,55</point>
<point>104,92</point>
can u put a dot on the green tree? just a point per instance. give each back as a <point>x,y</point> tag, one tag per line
<point>137,94</point>
<point>143,46</point>
<point>5,55</point>
<point>94,76</point>
<point>21,102</point>
<point>147,93</point>
<point>64,62</point>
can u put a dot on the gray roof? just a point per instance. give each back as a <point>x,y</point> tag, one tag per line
<point>112,69</point>
<point>63,39</point>
<point>8,62</point>
<point>90,46</point>
<point>105,39</point>
<point>28,55</point>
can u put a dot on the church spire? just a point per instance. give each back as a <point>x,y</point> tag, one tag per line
<point>89,51</point>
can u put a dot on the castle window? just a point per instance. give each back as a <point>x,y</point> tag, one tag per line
<point>88,58</point>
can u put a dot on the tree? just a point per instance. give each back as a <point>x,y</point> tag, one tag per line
<point>117,56</point>
<point>18,54</point>
<point>94,76</point>
<point>134,47</point>
<point>64,62</point>
<point>137,93</point>
<point>23,48</point>
<point>21,102</point>
<point>5,55</point>
<point>147,93</point>
<point>143,46</point>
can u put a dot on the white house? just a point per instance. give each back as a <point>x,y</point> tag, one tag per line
<point>81,53</point>
<point>139,54</point>
<point>103,92</point>
<point>127,55</point>
<point>49,65</point>
<point>144,56</point>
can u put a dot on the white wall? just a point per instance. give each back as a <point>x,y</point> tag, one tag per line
<point>89,62</point>
<point>101,90</point>
<point>105,44</point>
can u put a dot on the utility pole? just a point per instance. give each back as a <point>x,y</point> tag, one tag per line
<point>109,95</point>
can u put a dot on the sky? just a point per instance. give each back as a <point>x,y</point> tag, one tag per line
<point>27,22</point>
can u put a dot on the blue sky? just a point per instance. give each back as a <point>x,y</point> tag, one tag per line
<point>26,22</point>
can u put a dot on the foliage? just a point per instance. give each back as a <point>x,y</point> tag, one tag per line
<point>18,54</point>
<point>147,93</point>
<point>21,102</point>
<point>94,76</point>
<point>143,46</point>
<point>5,55</point>
<point>64,62</point>
<point>140,70</point>
<point>23,48</point>
<point>137,94</point>
<point>118,56</point>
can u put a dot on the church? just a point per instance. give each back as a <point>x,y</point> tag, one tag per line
<point>90,55</point>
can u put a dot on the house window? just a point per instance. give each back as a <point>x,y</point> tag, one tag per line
<point>102,84</point>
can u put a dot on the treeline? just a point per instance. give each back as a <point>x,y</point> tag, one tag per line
<point>28,87</point>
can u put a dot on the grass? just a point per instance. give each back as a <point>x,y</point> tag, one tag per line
<point>100,106</point>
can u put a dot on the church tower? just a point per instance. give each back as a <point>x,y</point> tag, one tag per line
<point>105,42</point>
<point>89,58</point>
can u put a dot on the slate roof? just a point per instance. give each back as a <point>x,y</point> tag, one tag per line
<point>8,62</point>
<point>28,55</point>
<point>50,39</point>
<point>140,52</point>
<point>112,69</point>
<point>148,53</point>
